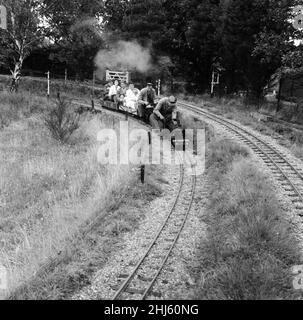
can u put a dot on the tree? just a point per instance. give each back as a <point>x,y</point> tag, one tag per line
<point>114,12</point>
<point>199,46</point>
<point>293,60</point>
<point>183,30</point>
<point>249,38</point>
<point>62,15</point>
<point>254,35</point>
<point>144,21</point>
<point>22,35</point>
<point>75,29</point>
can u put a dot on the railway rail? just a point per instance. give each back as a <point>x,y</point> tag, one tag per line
<point>289,176</point>
<point>140,281</point>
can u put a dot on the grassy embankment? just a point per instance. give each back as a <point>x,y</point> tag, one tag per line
<point>250,248</point>
<point>59,207</point>
<point>236,109</point>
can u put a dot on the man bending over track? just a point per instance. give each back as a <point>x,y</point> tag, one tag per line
<point>164,115</point>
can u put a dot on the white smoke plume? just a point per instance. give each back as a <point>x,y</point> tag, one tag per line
<point>124,55</point>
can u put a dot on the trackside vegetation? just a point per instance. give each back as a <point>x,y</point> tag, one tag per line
<point>250,248</point>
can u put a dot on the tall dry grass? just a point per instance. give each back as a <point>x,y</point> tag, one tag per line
<point>48,190</point>
<point>250,247</point>
<point>14,106</point>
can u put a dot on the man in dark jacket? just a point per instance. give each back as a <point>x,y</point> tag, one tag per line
<point>165,114</point>
<point>146,102</point>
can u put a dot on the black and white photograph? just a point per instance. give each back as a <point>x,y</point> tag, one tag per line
<point>151,153</point>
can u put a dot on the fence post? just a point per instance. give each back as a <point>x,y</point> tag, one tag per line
<point>159,87</point>
<point>149,138</point>
<point>48,84</point>
<point>93,104</point>
<point>212,84</point>
<point>279,92</point>
<point>65,77</point>
<point>143,174</point>
<point>94,80</point>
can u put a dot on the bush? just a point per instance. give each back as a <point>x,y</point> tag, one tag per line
<point>61,122</point>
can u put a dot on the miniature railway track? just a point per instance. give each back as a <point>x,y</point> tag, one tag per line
<point>140,281</point>
<point>286,173</point>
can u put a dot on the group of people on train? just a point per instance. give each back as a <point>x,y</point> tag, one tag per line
<point>125,95</point>
<point>160,115</point>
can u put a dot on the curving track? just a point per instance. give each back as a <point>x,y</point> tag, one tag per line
<point>140,282</point>
<point>289,176</point>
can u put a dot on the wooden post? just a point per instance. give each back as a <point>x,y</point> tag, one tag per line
<point>143,174</point>
<point>94,80</point>
<point>48,84</point>
<point>212,85</point>
<point>215,80</point>
<point>93,104</point>
<point>280,92</point>
<point>65,76</point>
<point>159,87</point>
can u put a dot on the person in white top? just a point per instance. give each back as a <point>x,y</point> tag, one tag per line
<point>131,98</point>
<point>114,90</point>
<point>107,89</point>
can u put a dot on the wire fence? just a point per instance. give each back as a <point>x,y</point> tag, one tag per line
<point>65,76</point>
<point>52,85</point>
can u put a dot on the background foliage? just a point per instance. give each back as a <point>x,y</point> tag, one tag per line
<point>249,40</point>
